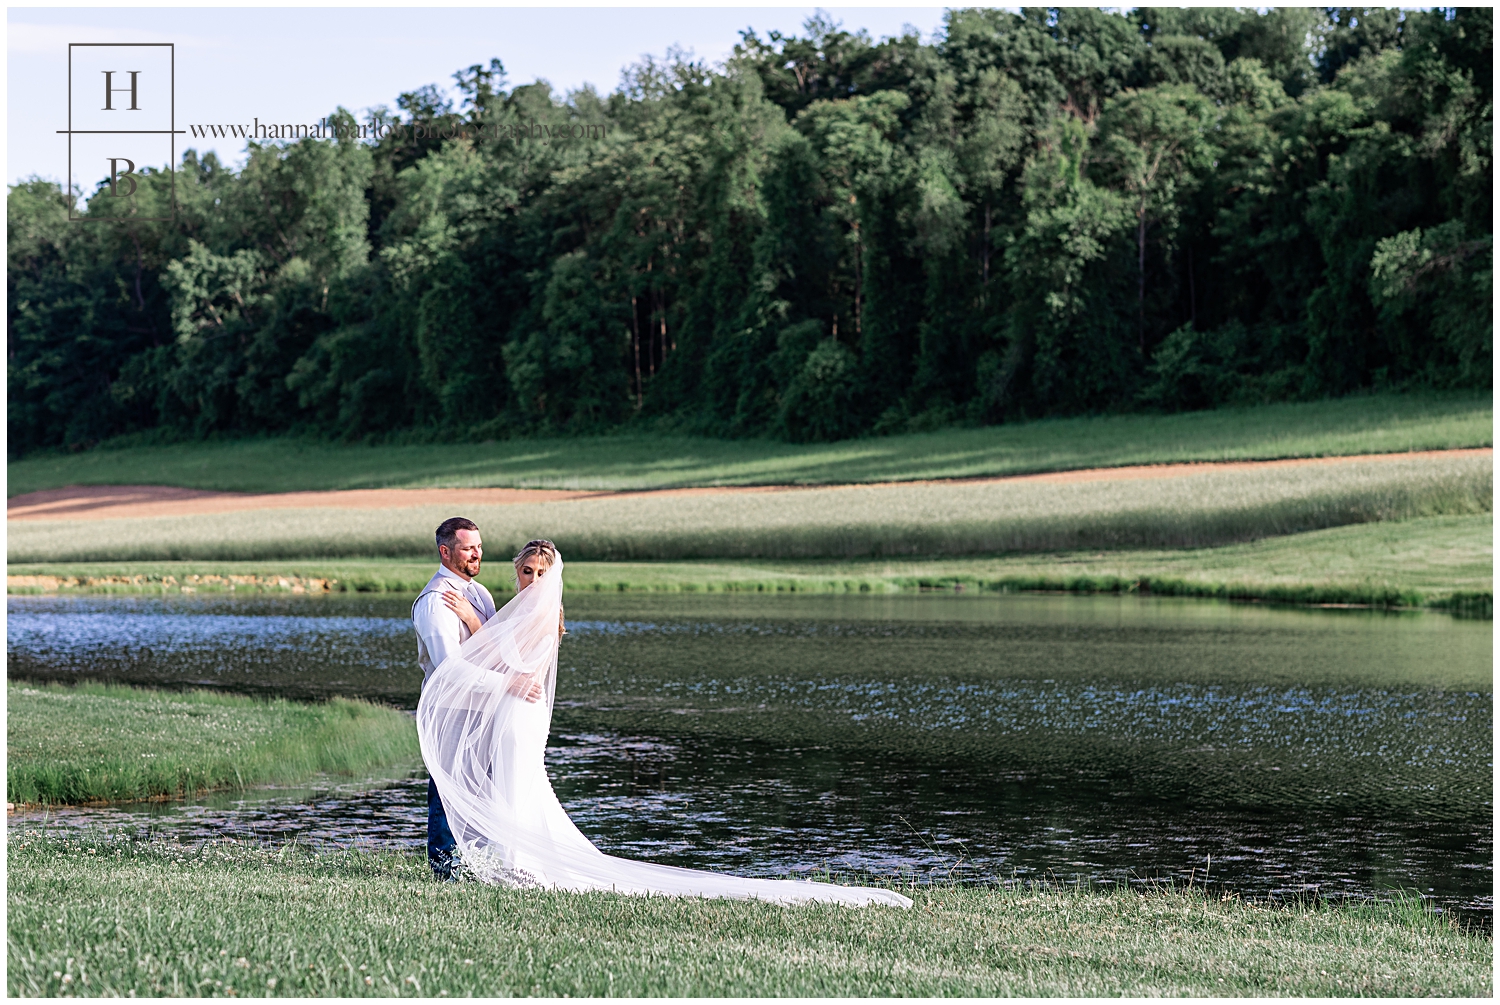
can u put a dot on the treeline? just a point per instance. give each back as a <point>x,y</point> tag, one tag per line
<point>1051,212</point>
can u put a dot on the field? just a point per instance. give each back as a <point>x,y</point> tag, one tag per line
<point>96,916</point>
<point>107,742</point>
<point>1364,424</point>
<point>1196,510</point>
<point>1397,530</point>
<point>1406,563</point>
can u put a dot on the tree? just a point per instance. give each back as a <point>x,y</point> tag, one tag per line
<point>1064,318</point>
<point>1153,146</point>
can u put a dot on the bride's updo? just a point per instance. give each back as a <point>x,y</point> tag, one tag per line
<point>546,552</point>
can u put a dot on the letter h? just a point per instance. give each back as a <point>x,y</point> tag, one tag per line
<point>110,89</point>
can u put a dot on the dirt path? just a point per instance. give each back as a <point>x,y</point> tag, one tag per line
<point>104,502</point>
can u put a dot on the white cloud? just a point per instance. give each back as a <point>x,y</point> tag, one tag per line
<point>53,39</point>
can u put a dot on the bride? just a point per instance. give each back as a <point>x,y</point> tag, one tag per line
<point>483,722</point>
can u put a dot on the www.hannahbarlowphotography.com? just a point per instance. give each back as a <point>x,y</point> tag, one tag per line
<point>377,129</point>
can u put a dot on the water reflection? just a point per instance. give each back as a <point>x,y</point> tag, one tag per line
<point>1115,740</point>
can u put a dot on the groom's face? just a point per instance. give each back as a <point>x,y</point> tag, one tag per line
<point>464,555</point>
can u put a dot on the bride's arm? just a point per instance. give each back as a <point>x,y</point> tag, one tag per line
<point>459,604</point>
<point>529,686</point>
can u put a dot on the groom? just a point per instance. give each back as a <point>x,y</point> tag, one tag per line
<point>439,635</point>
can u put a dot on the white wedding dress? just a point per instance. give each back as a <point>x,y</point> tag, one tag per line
<point>483,743</point>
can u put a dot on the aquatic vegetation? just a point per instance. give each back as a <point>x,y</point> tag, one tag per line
<point>110,742</point>
<point>1241,710</point>
<point>1204,704</point>
<point>113,917</point>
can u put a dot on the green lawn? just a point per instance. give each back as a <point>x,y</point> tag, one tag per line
<point>1424,561</point>
<point>99,917</point>
<point>98,741</point>
<point>1365,424</point>
<point>1202,509</point>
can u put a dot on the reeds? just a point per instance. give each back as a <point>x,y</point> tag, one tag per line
<point>109,742</point>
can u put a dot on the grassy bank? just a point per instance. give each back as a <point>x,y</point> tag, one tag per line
<point>151,919</point>
<point>1193,510</point>
<point>1367,424</point>
<point>1437,561</point>
<point>95,741</point>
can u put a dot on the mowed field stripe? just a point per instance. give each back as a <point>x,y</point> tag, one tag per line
<point>1206,506</point>
<point>104,502</point>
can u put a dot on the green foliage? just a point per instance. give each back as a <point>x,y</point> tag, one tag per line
<point>125,918</point>
<point>821,402</point>
<point>97,741</point>
<point>1195,369</point>
<point>1041,213</point>
<point>1439,286</point>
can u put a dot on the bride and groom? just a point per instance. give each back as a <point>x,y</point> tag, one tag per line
<point>488,679</point>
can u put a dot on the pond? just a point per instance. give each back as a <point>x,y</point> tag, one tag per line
<point>1283,752</point>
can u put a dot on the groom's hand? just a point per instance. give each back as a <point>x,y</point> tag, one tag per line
<point>527,687</point>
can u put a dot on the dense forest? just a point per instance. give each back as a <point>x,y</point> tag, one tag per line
<point>1055,212</point>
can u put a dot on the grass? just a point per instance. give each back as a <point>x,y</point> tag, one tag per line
<point>1437,561</point>
<point>1365,424</point>
<point>109,742</point>
<point>99,917</point>
<point>1198,510</point>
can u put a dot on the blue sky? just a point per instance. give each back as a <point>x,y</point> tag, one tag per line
<point>298,64</point>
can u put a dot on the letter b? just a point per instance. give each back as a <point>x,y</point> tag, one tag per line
<point>115,177</point>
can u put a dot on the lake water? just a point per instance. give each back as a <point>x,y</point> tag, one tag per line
<point>984,739</point>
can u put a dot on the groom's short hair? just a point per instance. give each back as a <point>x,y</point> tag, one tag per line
<point>447,531</point>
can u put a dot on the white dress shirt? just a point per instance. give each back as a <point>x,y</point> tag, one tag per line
<point>439,631</point>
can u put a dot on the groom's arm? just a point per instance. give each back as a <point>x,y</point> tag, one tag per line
<point>438,631</point>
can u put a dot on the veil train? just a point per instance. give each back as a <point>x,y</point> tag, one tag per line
<point>484,745</point>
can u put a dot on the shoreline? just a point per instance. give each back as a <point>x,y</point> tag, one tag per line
<point>1432,563</point>
<point>1469,603</point>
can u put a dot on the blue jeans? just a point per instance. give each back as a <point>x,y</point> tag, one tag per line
<point>440,843</point>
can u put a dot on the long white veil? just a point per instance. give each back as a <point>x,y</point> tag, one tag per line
<point>483,742</point>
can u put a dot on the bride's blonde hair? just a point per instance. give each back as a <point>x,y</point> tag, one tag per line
<point>542,549</point>
<point>539,548</point>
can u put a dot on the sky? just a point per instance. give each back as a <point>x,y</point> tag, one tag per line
<point>298,64</point>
